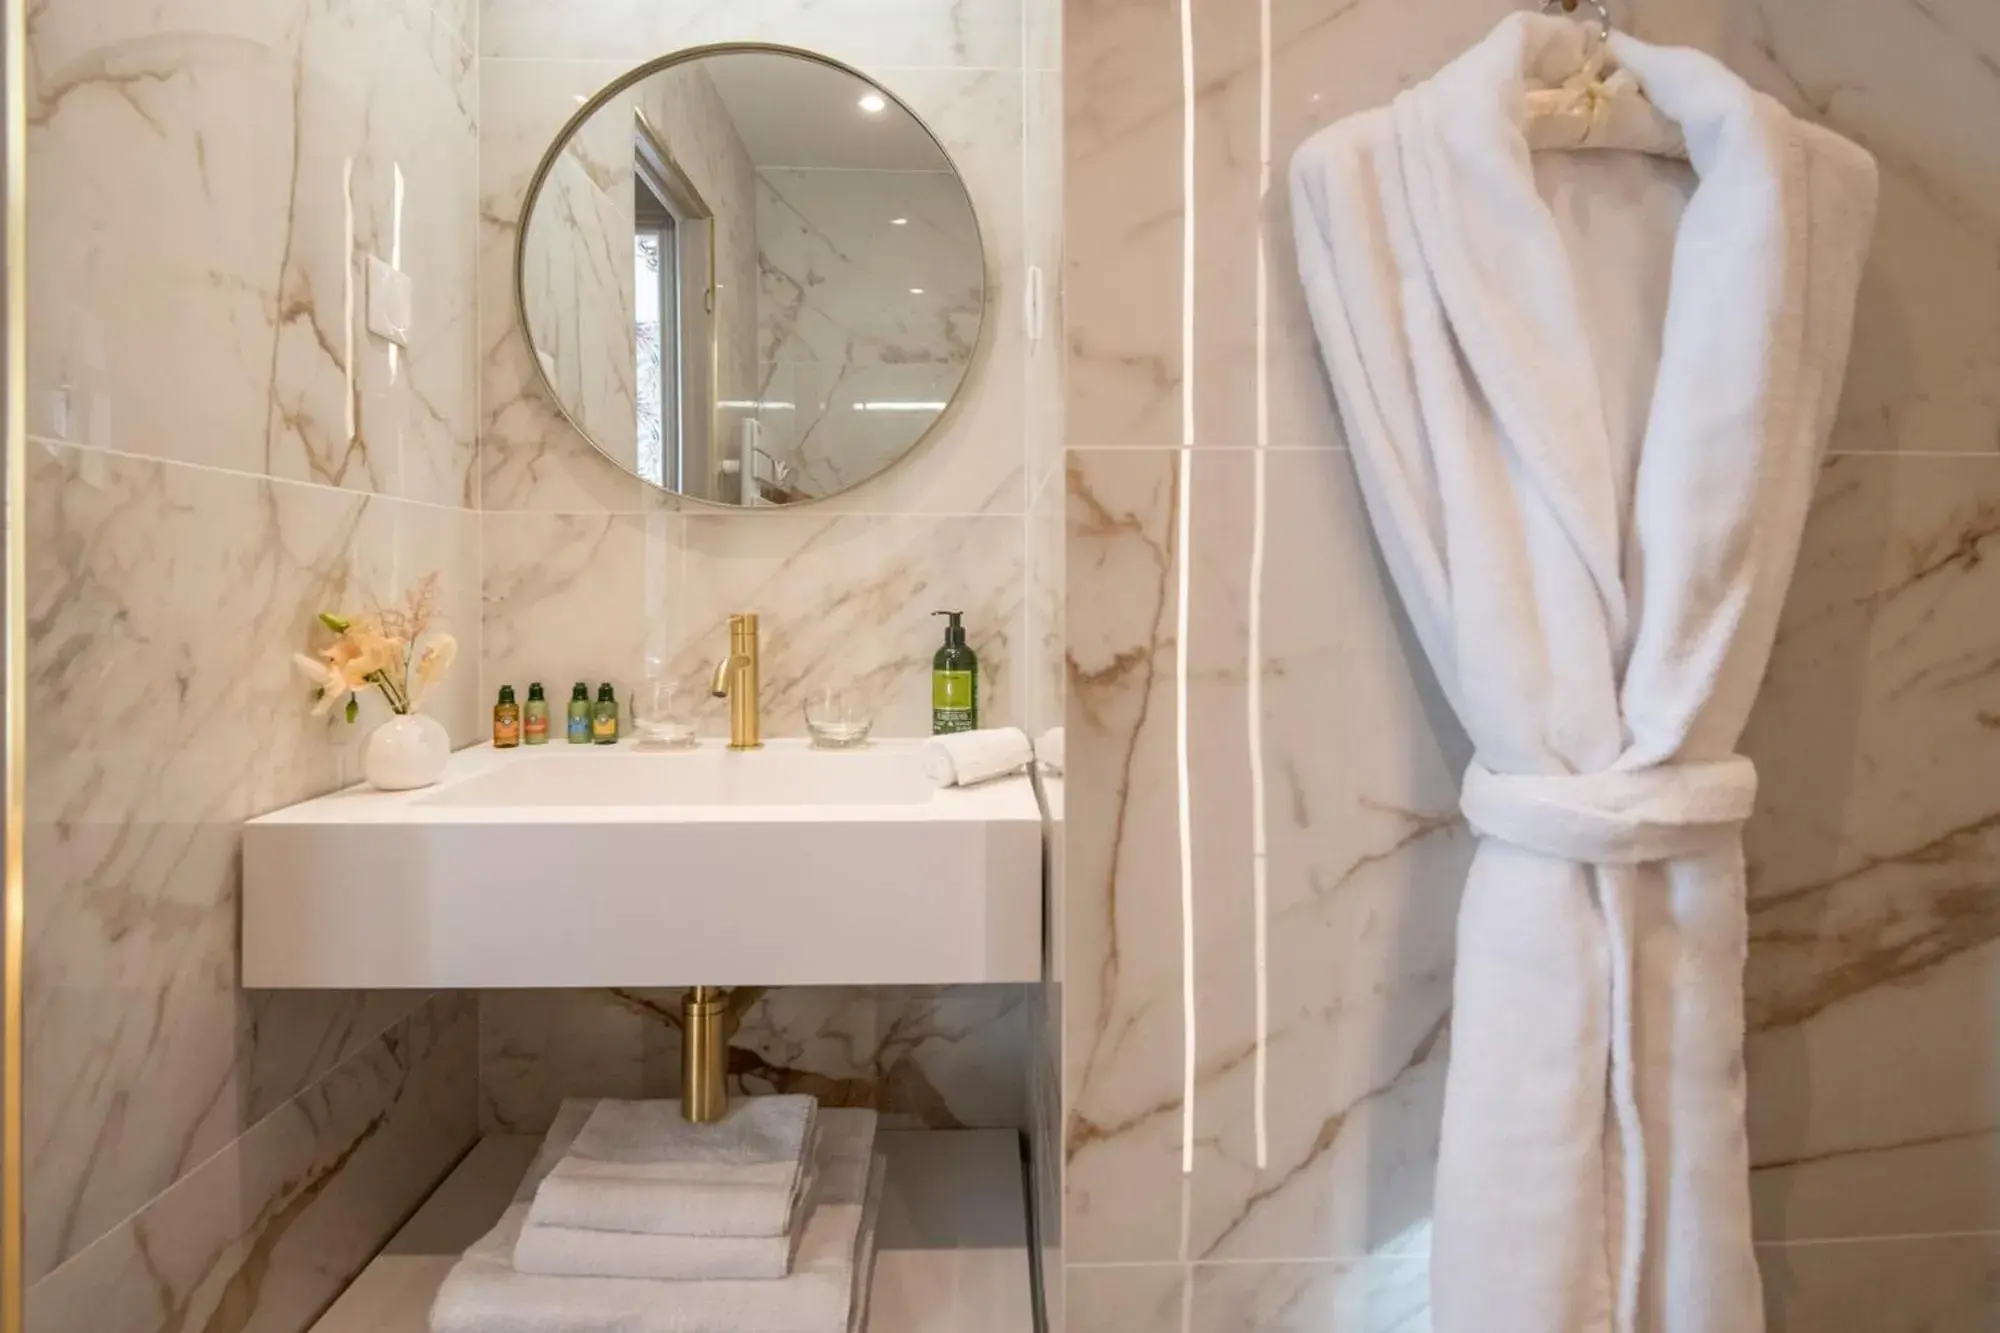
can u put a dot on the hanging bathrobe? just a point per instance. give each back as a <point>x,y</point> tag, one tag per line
<point>1586,395</point>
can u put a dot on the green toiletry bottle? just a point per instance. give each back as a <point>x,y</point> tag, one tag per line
<point>535,717</point>
<point>579,714</point>
<point>954,681</point>
<point>604,717</point>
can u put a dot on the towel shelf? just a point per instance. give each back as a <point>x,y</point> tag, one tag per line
<point>952,1254</point>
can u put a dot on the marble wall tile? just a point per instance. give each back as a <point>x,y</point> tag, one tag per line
<point>1042,34</point>
<point>1044,663</point>
<point>941,1057</point>
<point>846,600</point>
<point>1362,858</point>
<point>1126,1298</point>
<point>263,1235</point>
<point>1042,238</point>
<point>569,597</point>
<point>165,603</point>
<point>446,542</point>
<point>208,182</point>
<point>1918,1284</point>
<point>1875,862</point>
<point>1388,1295</point>
<point>462,17</point>
<point>1126,203</point>
<point>916,33</point>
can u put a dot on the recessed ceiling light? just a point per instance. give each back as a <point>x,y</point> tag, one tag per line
<point>899,222</point>
<point>873,103</point>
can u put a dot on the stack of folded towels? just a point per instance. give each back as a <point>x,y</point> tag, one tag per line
<point>634,1221</point>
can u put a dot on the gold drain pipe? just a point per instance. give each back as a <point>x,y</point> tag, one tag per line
<point>705,1024</point>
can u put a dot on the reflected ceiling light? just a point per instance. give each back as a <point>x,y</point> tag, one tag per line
<point>898,405</point>
<point>899,222</point>
<point>873,103</point>
<point>916,291</point>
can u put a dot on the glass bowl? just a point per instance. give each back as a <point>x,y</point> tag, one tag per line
<point>838,719</point>
<point>664,714</point>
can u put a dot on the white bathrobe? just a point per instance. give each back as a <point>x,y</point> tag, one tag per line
<point>1586,395</point>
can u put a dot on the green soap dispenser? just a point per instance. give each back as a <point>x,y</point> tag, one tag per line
<point>954,681</point>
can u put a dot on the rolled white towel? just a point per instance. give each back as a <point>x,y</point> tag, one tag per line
<point>967,757</point>
<point>840,1136</point>
<point>1049,749</point>
<point>639,1167</point>
<point>827,1288</point>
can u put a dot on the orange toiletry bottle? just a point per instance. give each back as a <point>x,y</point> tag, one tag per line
<point>506,720</point>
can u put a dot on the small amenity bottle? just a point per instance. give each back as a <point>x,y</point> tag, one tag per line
<point>535,717</point>
<point>579,714</point>
<point>604,717</point>
<point>506,720</point>
<point>954,681</point>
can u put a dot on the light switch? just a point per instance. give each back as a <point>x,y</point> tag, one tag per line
<point>389,302</point>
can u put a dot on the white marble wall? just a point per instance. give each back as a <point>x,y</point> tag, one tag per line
<point>589,574</point>
<point>218,450</point>
<point>927,1057</point>
<point>1321,1021</point>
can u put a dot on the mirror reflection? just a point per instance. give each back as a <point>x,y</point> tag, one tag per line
<point>751,277</point>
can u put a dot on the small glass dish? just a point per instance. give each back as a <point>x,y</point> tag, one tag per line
<point>664,715</point>
<point>837,719</point>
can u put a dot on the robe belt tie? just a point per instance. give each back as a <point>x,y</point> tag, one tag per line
<point>1607,820</point>
<point>1614,818</point>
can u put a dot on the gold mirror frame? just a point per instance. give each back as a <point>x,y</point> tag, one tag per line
<point>639,74</point>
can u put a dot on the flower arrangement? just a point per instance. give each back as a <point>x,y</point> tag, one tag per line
<point>380,649</point>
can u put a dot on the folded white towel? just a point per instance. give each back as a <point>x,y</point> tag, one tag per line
<point>967,757</point>
<point>1049,749</point>
<point>825,1293</point>
<point>637,1166</point>
<point>579,1252</point>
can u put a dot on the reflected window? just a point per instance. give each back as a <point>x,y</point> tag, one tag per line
<point>670,267</point>
<point>657,342</point>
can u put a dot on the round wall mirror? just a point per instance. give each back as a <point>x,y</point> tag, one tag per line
<point>750,276</point>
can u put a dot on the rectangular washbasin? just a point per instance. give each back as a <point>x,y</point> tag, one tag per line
<point>553,867</point>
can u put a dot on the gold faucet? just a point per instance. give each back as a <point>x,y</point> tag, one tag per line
<point>736,677</point>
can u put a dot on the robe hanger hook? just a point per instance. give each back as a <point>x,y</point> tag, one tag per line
<point>1598,8</point>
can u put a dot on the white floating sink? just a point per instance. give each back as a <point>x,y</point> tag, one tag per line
<point>561,867</point>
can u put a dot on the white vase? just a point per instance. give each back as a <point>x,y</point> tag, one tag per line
<point>409,750</point>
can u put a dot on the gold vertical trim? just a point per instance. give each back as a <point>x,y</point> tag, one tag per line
<point>14,645</point>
